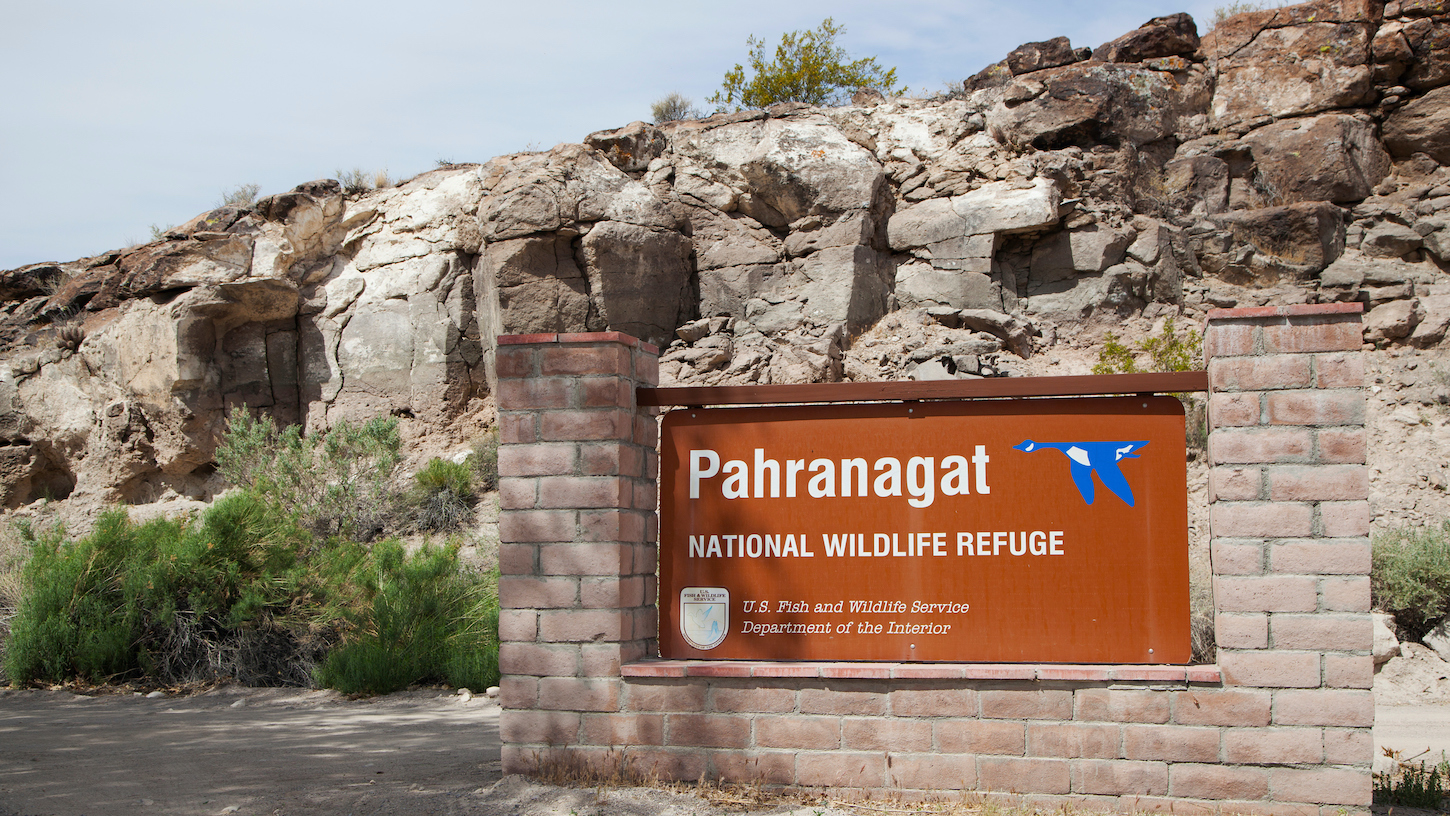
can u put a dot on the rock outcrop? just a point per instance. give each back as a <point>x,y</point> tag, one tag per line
<point>1296,154</point>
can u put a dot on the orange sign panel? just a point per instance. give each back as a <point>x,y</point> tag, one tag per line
<point>1048,530</point>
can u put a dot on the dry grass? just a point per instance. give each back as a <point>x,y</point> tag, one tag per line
<point>13,551</point>
<point>358,181</point>
<point>617,770</point>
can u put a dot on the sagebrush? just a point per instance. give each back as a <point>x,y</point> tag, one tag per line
<point>334,483</point>
<point>443,497</point>
<point>243,195</point>
<point>1224,12</point>
<point>1410,577</point>
<point>673,107</point>
<point>358,180</point>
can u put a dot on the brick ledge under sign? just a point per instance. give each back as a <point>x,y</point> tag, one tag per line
<point>921,671</point>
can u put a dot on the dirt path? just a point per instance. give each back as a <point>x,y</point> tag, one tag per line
<point>244,751</point>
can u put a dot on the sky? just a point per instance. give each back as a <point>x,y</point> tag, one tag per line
<point>119,116</point>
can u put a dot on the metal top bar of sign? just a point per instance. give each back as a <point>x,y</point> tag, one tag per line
<point>1090,385</point>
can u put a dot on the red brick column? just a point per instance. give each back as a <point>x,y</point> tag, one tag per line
<point>577,533</point>
<point>1289,521</point>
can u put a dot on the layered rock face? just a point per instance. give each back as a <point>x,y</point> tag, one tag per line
<point>1289,155</point>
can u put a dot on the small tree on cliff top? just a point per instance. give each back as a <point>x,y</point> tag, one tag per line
<point>808,67</point>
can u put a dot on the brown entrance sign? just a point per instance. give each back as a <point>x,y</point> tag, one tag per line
<point>1045,530</point>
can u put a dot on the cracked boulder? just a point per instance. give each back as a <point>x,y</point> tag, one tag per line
<point>1330,157</point>
<point>1296,60</point>
<point>1092,103</point>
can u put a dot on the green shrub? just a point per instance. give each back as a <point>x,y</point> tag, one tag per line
<point>244,594</point>
<point>423,620</point>
<point>1410,577</point>
<point>1411,784</point>
<point>334,483</point>
<point>247,591</point>
<point>808,67</point>
<point>485,461</point>
<point>162,599</point>
<point>442,498</point>
<point>1167,352</point>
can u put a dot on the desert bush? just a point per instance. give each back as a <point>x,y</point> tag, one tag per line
<point>808,67</point>
<point>358,180</point>
<point>1224,12</point>
<point>243,593</point>
<point>485,461</point>
<point>158,599</point>
<point>1167,352</point>
<point>1410,577</point>
<point>243,195</point>
<point>442,498</point>
<point>423,619</point>
<point>353,181</point>
<point>673,107</point>
<point>334,483</point>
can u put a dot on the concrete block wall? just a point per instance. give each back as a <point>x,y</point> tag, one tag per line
<point>1281,725</point>
<point>1289,524</point>
<point>577,525</point>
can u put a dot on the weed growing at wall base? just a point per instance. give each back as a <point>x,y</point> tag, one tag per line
<point>1410,784</point>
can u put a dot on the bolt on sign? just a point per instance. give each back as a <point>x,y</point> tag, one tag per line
<point>1038,530</point>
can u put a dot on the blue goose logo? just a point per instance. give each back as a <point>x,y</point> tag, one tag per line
<point>1087,458</point>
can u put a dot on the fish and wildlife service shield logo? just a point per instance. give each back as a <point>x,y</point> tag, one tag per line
<point>704,616</point>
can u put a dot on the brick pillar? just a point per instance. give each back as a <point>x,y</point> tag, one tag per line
<point>1289,527</point>
<point>577,531</point>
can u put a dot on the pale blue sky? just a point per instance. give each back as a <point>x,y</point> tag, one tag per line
<point>119,116</point>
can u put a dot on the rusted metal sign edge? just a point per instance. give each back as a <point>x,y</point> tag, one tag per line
<point>997,387</point>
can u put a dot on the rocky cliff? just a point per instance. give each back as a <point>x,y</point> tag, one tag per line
<point>1299,154</point>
